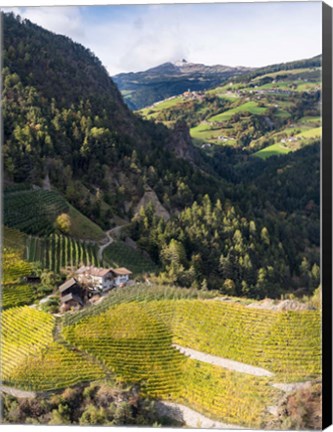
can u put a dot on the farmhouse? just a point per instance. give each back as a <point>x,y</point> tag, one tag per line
<point>121,276</point>
<point>102,279</point>
<point>71,293</point>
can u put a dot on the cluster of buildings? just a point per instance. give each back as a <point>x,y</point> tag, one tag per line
<point>193,95</point>
<point>88,281</point>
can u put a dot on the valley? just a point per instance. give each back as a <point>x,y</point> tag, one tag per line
<point>205,196</point>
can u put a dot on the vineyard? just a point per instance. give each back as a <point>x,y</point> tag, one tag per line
<point>118,254</point>
<point>33,211</point>
<point>286,343</point>
<point>57,251</point>
<point>14,240</point>
<point>31,360</point>
<point>138,293</point>
<point>18,295</point>
<point>225,395</point>
<point>25,331</point>
<point>130,336</point>
<point>132,344</point>
<point>14,291</point>
<point>14,268</point>
<point>136,344</point>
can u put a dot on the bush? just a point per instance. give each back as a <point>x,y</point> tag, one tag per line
<point>63,223</point>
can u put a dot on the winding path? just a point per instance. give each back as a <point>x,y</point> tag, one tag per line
<point>226,363</point>
<point>105,245</point>
<point>115,231</point>
<point>190,417</point>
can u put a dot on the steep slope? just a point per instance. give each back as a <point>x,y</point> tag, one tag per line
<point>142,89</point>
<point>66,121</point>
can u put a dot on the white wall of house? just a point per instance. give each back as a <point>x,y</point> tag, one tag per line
<point>121,280</point>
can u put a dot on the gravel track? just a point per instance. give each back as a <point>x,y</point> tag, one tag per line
<point>226,363</point>
<point>190,417</point>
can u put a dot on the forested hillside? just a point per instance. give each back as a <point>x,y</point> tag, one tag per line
<point>243,225</point>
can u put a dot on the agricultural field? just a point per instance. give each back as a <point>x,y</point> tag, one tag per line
<point>225,395</point>
<point>134,340</point>
<point>33,211</point>
<point>118,254</point>
<point>130,337</point>
<point>31,360</point>
<point>15,291</point>
<point>247,107</point>
<point>152,111</point>
<point>272,150</point>
<point>14,267</point>
<point>57,251</point>
<point>293,137</point>
<point>273,97</point>
<point>19,295</point>
<point>14,240</point>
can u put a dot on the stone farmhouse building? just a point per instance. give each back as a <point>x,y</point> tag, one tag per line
<point>102,279</point>
<point>89,280</point>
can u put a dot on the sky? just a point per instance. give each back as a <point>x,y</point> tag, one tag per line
<point>131,38</point>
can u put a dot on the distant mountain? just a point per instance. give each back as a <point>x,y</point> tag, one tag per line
<point>141,89</point>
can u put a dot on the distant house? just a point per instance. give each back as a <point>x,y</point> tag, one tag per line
<point>71,293</point>
<point>102,279</point>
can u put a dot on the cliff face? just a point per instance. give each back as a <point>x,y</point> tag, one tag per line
<point>181,142</point>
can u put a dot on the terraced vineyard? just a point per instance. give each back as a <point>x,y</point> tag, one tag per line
<point>25,331</point>
<point>134,345</point>
<point>57,251</point>
<point>118,254</point>
<point>14,268</point>
<point>33,211</point>
<point>14,240</point>
<point>131,335</point>
<point>225,395</point>
<point>14,291</point>
<point>134,340</point>
<point>286,343</point>
<point>31,360</point>
<point>139,293</point>
<point>18,295</point>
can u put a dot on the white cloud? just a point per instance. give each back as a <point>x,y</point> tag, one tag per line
<point>66,20</point>
<point>142,37</point>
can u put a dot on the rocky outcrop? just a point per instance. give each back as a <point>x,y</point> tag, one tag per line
<point>181,142</point>
<point>150,197</point>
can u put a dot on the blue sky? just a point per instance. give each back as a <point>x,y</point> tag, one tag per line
<point>135,37</point>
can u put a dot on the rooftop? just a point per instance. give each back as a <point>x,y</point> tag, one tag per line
<point>121,271</point>
<point>69,283</point>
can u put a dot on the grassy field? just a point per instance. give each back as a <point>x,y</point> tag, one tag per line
<point>311,133</point>
<point>210,133</point>
<point>272,150</point>
<point>149,112</point>
<point>248,107</point>
<point>84,228</point>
